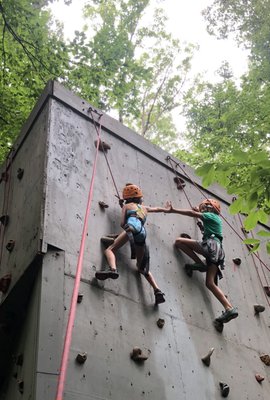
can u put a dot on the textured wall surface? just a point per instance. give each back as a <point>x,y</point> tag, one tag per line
<point>47,209</point>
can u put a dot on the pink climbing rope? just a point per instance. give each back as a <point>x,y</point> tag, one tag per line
<point>71,317</point>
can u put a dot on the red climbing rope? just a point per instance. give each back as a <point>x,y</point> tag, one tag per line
<point>104,152</point>
<point>71,318</point>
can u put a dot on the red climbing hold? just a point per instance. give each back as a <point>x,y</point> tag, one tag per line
<point>259,378</point>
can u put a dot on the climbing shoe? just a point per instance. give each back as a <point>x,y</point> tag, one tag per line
<point>189,268</point>
<point>107,273</point>
<point>227,315</point>
<point>159,296</point>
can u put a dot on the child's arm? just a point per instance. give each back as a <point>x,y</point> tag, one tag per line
<point>188,213</point>
<point>166,209</point>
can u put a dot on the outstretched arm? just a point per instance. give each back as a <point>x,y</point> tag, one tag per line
<point>166,209</point>
<point>188,213</point>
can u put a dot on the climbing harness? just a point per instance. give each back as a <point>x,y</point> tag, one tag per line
<point>71,317</point>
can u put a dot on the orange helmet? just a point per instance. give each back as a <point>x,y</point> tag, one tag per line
<point>212,203</point>
<point>131,191</point>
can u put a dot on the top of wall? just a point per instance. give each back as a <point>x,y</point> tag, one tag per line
<point>54,90</point>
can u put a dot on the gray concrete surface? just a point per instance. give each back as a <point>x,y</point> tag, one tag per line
<point>47,207</point>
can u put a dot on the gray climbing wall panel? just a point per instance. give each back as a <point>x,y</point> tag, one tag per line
<point>46,208</point>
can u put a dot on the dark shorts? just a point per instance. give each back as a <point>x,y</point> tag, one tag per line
<point>214,253</point>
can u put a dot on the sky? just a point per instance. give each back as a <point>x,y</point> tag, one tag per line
<point>186,23</point>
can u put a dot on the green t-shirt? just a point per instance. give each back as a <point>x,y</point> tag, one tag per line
<point>212,225</point>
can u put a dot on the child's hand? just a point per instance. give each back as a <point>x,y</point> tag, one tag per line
<point>196,209</point>
<point>169,206</point>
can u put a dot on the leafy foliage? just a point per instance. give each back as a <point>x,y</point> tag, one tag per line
<point>29,53</point>
<point>229,125</point>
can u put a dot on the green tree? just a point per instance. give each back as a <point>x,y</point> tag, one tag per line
<point>29,57</point>
<point>228,124</point>
<point>137,70</point>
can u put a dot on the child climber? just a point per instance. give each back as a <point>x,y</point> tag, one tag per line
<point>211,248</point>
<point>132,221</point>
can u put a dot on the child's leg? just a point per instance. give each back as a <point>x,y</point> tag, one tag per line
<point>149,277</point>
<point>110,251</point>
<point>217,292</point>
<point>190,247</point>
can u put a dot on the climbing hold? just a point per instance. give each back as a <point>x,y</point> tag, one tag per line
<point>244,230</point>
<point>180,183</point>
<point>4,283</point>
<point>107,240</point>
<point>185,235</point>
<point>237,261</point>
<point>137,355</point>
<point>20,173</point>
<point>103,146</point>
<point>218,325</point>
<point>81,358</point>
<point>4,176</point>
<point>10,245</point>
<point>258,308</point>
<point>160,323</point>
<point>4,219</point>
<point>207,359</point>
<point>224,389</point>
<point>80,298</point>
<point>259,378</point>
<point>19,360</point>
<point>20,386</point>
<point>265,359</point>
<point>267,290</point>
<point>103,205</point>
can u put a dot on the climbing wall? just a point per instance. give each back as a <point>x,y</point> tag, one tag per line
<point>44,190</point>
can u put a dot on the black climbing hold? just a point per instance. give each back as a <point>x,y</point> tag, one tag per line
<point>80,298</point>
<point>258,308</point>
<point>81,358</point>
<point>180,183</point>
<point>4,283</point>
<point>4,219</point>
<point>103,146</point>
<point>21,386</point>
<point>265,358</point>
<point>218,325</point>
<point>20,172</point>
<point>10,245</point>
<point>19,360</point>
<point>103,205</point>
<point>224,389</point>
<point>237,261</point>
<point>185,235</point>
<point>160,322</point>
<point>137,355</point>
